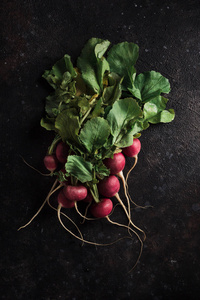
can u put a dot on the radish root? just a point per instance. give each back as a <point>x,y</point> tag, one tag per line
<point>52,190</point>
<point>128,216</point>
<point>49,174</point>
<point>81,239</point>
<point>126,183</point>
<point>83,216</point>
<point>141,242</point>
<point>86,211</point>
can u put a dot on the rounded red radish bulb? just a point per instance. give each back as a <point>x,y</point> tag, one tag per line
<point>109,186</point>
<point>115,164</point>
<point>50,162</point>
<point>102,209</point>
<point>75,193</point>
<point>62,151</point>
<point>63,201</point>
<point>132,150</point>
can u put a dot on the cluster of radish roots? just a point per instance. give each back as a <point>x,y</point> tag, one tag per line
<point>131,227</point>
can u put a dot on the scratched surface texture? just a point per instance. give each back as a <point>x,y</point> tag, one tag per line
<point>43,261</point>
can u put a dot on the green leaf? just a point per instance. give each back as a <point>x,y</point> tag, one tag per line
<point>54,105</point>
<point>112,93</point>
<point>102,170</point>
<point>78,167</point>
<point>122,58</point>
<point>137,126</point>
<point>119,116</point>
<point>164,116</point>
<point>67,124</point>
<point>149,85</point>
<point>92,63</point>
<point>98,109</point>
<point>55,75</point>
<point>82,104</point>
<point>94,134</point>
<point>125,141</point>
<point>154,111</point>
<point>48,123</point>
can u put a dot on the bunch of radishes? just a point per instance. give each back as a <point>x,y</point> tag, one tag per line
<point>108,187</point>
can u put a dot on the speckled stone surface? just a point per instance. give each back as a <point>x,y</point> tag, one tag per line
<point>43,262</point>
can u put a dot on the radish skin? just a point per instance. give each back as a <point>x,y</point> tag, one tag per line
<point>132,150</point>
<point>109,186</point>
<point>115,164</point>
<point>75,193</point>
<point>102,209</point>
<point>64,201</point>
<point>62,151</point>
<point>51,162</point>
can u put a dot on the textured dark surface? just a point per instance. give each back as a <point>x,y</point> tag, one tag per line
<point>44,262</point>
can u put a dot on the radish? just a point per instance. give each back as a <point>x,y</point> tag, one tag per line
<point>102,209</point>
<point>132,150</point>
<point>115,164</point>
<point>50,162</point>
<point>75,193</point>
<point>63,201</point>
<point>109,186</point>
<point>62,151</point>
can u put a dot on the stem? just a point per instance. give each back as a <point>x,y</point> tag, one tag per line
<point>85,116</point>
<point>93,188</point>
<point>51,148</point>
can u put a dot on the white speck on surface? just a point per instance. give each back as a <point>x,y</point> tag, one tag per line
<point>5,63</point>
<point>187,50</point>
<point>173,261</point>
<point>146,50</point>
<point>167,7</point>
<point>165,47</point>
<point>21,54</point>
<point>135,5</point>
<point>122,13</point>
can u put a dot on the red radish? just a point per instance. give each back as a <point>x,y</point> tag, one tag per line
<point>115,164</point>
<point>62,151</point>
<point>132,150</point>
<point>102,209</point>
<point>109,186</point>
<point>50,162</point>
<point>75,193</point>
<point>63,201</point>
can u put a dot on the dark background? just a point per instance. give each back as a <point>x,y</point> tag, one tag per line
<point>43,261</point>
